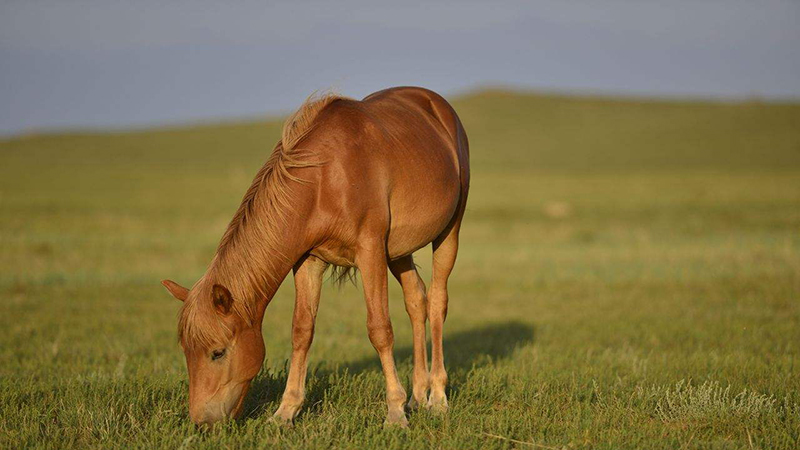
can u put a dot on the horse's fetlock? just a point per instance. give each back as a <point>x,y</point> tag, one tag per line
<point>293,397</point>
<point>397,396</point>
<point>421,385</point>
<point>439,379</point>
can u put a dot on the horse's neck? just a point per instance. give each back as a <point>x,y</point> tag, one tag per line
<point>265,239</point>
<point>254,269</point>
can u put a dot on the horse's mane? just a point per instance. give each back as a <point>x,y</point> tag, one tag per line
<point>272,180</point>
<point>251,240</point>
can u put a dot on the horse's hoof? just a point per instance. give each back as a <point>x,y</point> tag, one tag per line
<point>413,404</point>
<point>439,409</point>
<point>281,420</point>
<point>437,406</point>
<point>396,419</point>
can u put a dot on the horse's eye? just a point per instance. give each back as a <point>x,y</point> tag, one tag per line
<point>217,354</point>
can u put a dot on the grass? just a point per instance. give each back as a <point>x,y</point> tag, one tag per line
<point>629,277</point>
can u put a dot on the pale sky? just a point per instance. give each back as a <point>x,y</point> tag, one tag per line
<point>120,64</point>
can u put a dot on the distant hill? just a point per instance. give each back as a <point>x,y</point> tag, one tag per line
<point>556,132</point>
<point>507,131</point>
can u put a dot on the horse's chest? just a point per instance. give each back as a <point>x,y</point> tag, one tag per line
<point>336,253</point>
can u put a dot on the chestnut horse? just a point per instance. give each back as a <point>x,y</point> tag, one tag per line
<point>353,184</point>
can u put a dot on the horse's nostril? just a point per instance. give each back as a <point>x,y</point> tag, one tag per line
<point>204,422</point>
<point>200,417</point>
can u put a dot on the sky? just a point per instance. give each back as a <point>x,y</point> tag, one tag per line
<point>121,64</point>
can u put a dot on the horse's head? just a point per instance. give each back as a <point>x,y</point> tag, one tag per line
<point>224,350</point>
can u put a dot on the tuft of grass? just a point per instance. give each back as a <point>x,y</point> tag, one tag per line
<point>710,401</point>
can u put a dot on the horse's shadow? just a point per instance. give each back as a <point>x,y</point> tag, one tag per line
<point>463,350</point>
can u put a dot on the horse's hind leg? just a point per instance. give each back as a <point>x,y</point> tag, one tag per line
<point>371,260</point>
<point>445,248</point>
<point>417,307</point>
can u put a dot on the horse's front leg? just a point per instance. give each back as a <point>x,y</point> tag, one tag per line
<point>307,282</point>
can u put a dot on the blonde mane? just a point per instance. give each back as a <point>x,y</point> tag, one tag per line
<point>251,242</point>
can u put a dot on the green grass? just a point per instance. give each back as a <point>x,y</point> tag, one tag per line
<point>629,277</point>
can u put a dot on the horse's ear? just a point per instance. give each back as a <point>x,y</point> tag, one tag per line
<point>176,290</point>
<point>222,298</point>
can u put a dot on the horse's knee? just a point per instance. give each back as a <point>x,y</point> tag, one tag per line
<point>302,336</point>
<point>381,335</point>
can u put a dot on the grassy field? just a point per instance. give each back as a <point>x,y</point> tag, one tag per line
<point>629,277</point>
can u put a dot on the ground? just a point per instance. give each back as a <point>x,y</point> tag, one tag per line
<point>629,277</point>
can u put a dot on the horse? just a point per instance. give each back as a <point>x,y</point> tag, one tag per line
<point>353,185</point>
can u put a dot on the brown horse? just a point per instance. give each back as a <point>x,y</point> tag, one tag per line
<point>353,184</point>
